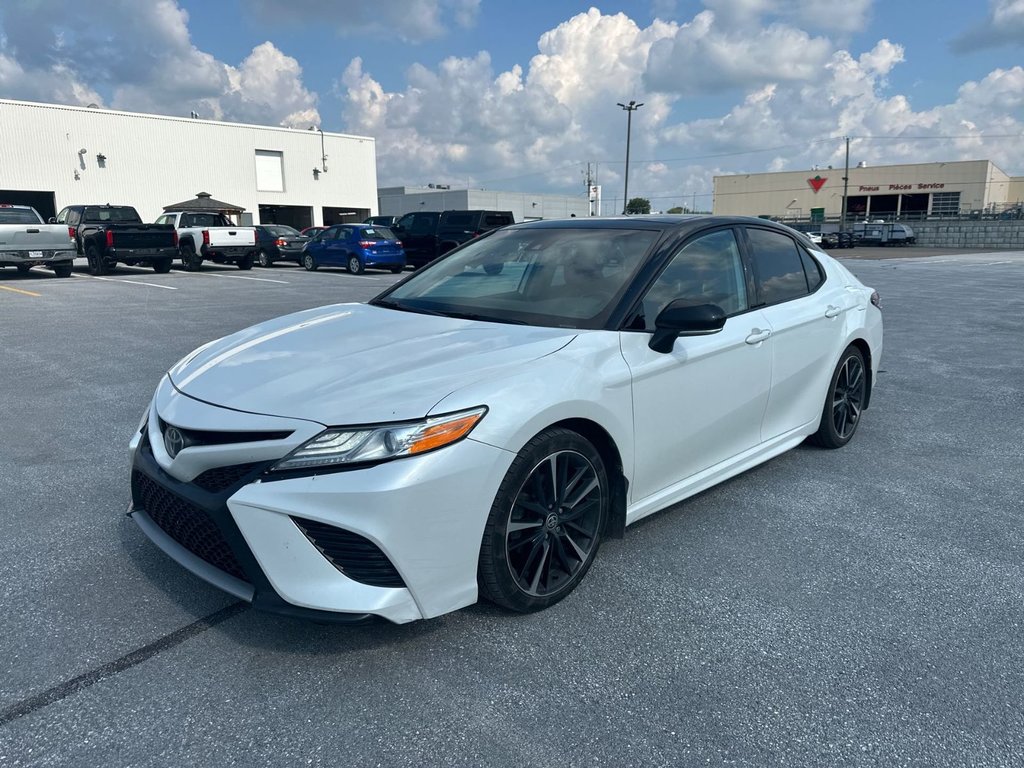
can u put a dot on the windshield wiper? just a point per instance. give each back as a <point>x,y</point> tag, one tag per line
<point>388,304</point>
<point>483,318</point>
<point>391,304</point>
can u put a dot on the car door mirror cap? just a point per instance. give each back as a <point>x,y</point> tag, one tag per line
<point>52,220</point>
<point>683,318</point>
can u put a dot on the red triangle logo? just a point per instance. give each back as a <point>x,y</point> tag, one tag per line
<point>817,183</point>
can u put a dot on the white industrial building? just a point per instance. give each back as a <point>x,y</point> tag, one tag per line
<point>918,190</point>
<point>396,201</point>
<point>52,156</point>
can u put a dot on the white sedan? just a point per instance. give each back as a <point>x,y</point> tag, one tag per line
<point>479,427</point>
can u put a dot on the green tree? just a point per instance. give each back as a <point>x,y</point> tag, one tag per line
<point>677,209</point>
<point>638,205</point>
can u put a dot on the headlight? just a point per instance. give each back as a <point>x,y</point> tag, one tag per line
<point>356,445</point>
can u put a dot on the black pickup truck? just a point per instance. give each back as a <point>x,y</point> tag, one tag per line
<point>426,235</point>
<point>108,234</point>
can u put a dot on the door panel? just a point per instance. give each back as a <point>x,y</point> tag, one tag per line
<point>699,405</point>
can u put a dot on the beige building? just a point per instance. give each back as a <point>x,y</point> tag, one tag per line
<point>914,190</point>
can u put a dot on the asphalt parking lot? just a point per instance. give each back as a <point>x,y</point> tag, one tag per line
<point>854,607</point>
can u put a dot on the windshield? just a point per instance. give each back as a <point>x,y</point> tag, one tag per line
<point>114,215</point>
<point>282,231</point>
<point>571,277</point>
<point>18,216</point>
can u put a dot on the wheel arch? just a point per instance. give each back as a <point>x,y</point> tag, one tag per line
<point>865,349</point>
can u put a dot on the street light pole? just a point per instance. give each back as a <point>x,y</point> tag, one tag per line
<point>630,109</point>
<point>846,183</point>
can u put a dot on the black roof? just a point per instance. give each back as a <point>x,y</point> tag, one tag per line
<point>204,203</point>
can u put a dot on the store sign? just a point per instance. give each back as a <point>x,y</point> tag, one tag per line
<point>817,183</point>
<point>897,187</point>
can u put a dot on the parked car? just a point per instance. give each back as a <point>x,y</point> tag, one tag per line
<point>381,221</point>
<point>355,247</point>
<point>427,235</point>
<point>108,234</point>
<point>203,235</point>
<point>277,242</point>
<point>495,416</point>
<point>829,239</point>
<point>845,239</point>
<point>25,241</point>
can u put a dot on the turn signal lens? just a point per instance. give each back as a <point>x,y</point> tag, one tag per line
<point>436,435</point>
<point>876,299</point>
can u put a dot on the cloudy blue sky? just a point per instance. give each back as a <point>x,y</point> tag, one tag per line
<point>521,96</point>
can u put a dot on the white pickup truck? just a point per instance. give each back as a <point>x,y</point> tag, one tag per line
<point>205,236</point>
<point>26,241</point>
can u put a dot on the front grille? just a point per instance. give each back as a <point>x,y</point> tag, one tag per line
<point>358,558</point>
<point>187,524</point>
<point>211,437</point>
<point>221,478</point>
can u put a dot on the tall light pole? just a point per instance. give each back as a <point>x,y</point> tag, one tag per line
<point>846,184</point>
<point>630,109</point>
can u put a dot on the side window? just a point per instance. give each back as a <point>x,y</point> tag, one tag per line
<point>62,217</point>
<point>406,221</point>
<point>707,270</point>
<point>815,275</point>
<point>777,266</point>
<point>74,217</point>
<point>333,233</point>
<point>422,225</point>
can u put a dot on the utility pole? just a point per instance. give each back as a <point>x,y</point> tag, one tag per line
<point>587,183</point>
<point>630,109</point>
<point>846,183</point>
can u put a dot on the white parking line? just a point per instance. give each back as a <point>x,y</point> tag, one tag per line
<point>130,282</point>
<point>240,277</point>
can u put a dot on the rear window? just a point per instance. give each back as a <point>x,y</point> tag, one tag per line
<point>18,216</point>
<point>459,220</point>
<point>114,215</point>
<point>282,231</point>
<point>377,233</point>
<point>497,219</point>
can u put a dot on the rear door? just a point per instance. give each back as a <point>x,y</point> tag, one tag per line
<point>804,313</point>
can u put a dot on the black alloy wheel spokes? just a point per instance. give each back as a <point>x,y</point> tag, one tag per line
<point>553,526</point>
<point>848,398</point>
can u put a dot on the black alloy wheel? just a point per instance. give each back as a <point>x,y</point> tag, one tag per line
<point>97,266</point>
<point>309,262</point>
<point>264,260</point>
<point>845,401</point>
<point>189,260</point>
<point>355,266</point>
<point>546,522</point>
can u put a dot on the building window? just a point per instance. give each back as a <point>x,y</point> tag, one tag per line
<point>269,171</point>
<point>945,203</point>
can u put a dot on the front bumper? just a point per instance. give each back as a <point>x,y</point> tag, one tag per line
<point>16,258</point>
<point>424,516</point>
<point>384,259</point>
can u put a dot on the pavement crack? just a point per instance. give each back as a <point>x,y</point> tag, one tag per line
<point>129,660</point>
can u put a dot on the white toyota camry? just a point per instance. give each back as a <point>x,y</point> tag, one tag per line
<point>479,427</point>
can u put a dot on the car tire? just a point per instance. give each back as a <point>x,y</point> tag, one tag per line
<point>844,404</point>
<point>245,263</point>
<point>97,266</point>
<point>162,266</point>
<point>397,270</point>
<point>189,260</point>
<point>62,270</point>
<point>264,260</point>
<point>355,265</point>
<point>545,525</point>
<point>309,263</point>
<point>23,269</point>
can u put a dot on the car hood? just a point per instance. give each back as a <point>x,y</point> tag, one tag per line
<point>356,363</point>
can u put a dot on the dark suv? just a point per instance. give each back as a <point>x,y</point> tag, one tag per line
<point>425,235</point>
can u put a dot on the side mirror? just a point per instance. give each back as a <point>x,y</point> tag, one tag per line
<point>52,220</point>
<point>681,318</point>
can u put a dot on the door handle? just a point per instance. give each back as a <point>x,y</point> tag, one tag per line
<point>832,311</point>
<point>757,336</point>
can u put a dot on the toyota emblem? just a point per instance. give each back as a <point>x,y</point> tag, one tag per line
<point>174,441</point>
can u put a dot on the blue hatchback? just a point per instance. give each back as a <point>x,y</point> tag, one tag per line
<point>355,247</point>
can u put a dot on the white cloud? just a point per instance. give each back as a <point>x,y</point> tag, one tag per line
<point>411,20</point>
<point>1003,26</point>
<point>705,56</point>
<point>154,67</point>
